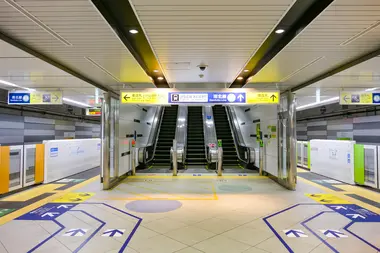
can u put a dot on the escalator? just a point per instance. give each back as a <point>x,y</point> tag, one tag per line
<point>195,137</point>
<point>223,132</point>
<point>166,137</point>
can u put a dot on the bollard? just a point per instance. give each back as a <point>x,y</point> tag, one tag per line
<point>220,160</point>
<point>175,164</point>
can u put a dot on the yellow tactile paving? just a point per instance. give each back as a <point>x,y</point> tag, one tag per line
<point>37,204</point>
<point>372,195</point>
<point>29,194</point>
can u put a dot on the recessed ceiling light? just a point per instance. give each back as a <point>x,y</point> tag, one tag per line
<point>246,70</point>
<point>133,31</point>
<point>249,78</point>
<point>160,78</point>
<point>240,78</point>
<point>155,71</point>
<point>279,31</point>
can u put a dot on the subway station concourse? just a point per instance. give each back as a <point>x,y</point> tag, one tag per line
<point>199,126</point>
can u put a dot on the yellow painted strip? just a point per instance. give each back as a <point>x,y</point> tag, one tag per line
<point>197,177</point>
<point>40,163</point>
<point>37,204</point>
<point>214,191</point>
<point>154,190</point>
<point>154,198</point>
<point>4,169</point>
<point>341,195</point>
<point>74,197</point>
<point>372,195</point>
<point>34,192</point>
<point>327,198</point>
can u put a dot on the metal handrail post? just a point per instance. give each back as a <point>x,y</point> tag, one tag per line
<point>220,160</point>
<point>175,163</point>
<point>133,157</point>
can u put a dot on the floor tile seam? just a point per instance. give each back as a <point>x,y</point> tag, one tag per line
<point>54,237</point>
<point>81,219</point>
<point>104,210</point>
<point>254,247</point>
<point>4,246</point>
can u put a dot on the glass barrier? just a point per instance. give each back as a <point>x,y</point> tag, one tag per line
<point>15,167</point>
<point>29,165</point>
<point>370,166</point>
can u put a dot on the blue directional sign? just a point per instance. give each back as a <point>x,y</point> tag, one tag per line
<point>207,97</point>
<point>49,211</point>
<point>376,98</point>
<point>295,233</point>
<point>18,98</point>
<point>113,233</point>
<point>333,233</point>
<point>355,213</point>
<point>76,232</point>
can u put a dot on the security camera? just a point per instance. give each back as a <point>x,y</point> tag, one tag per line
<point>202,67</point>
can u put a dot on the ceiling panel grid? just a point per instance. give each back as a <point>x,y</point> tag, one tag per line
<point>342,33</point>
<point>73,33</point>
<point>219,33</point>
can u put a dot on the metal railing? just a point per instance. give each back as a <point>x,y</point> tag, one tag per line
<point>246,154</point>
<point>181,134</point>
<point>209,132</point>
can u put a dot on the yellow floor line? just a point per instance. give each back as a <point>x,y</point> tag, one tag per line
<point>39,203</point>
<point>197,177</point>
<point>341,195</point>
<point>156,191</point>
<point>31,193</point>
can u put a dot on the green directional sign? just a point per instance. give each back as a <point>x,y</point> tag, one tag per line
<point>4,212</point>
<point>219,143</point>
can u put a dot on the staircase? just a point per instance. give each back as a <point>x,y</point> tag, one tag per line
<point>166,137</point>
<point>195,138</point>
<point>223,132</point>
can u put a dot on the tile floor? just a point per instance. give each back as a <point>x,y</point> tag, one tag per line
<point>216,216</point>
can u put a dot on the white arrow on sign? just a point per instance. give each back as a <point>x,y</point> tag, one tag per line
<point>50,214</point>
<point>64,206</point>
<point>355,216</point>
<point>240,97</point>
<point>339,207</point>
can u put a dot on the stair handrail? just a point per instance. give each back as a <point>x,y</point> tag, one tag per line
<point>143,157</point>
<point>209,133</point>
<point>181,133</point>
<point>241,146</point>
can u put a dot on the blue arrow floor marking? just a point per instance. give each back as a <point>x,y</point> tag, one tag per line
<point>315,234</point>
<point>93,234</point>
<point>123,247</point>
<point>361,239</point>
<point>51,236</point>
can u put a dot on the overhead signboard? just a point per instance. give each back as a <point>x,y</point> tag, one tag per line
<point>34,97</point>
<point>359,98</point>
<point>172,96</point>
<point>93,111</point>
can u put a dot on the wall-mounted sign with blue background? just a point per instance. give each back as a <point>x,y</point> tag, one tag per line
<point>35,97</point>
<point>222,96</point>
<point>207,97</point>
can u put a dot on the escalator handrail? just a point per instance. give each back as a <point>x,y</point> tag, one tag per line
<point>209,152</point>
<point>238,142</point>
<point>181,132</point>
<point>155,131</point>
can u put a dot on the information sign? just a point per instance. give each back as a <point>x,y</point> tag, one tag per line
<point>34,97</point>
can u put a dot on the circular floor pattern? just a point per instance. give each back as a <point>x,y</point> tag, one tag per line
<point>235,188</point>
<point>153,206</point>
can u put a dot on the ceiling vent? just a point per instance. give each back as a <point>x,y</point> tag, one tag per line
<point>38,22</point>
<point>102,68</point>
<point>302,68</point>
<point>358,35</point>
<point>177,65</point>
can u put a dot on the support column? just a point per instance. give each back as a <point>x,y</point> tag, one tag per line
<point>110,141</point>
<point>287,146</point>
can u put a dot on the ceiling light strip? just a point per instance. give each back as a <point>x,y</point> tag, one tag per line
<point>102,68</point>
<point>38,22</point>
<point>302,68</point>
<point>357,36</point>
<point>333,99</point>
<point>68,100</point>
